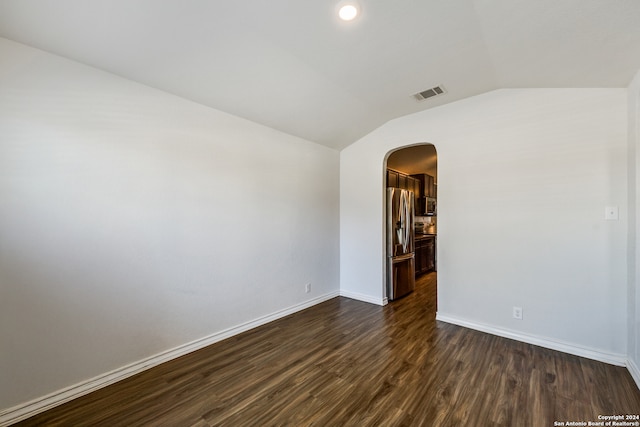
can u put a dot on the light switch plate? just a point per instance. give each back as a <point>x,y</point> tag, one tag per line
<point>611,213</point>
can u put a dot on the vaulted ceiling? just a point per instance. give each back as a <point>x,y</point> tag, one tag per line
<point>293,66</point>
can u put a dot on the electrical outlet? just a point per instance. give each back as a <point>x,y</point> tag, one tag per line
<point>307,287</point>
<point>517,313</point>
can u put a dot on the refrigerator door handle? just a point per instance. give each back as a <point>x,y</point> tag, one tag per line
<point>401,258</point>
<point>405,212</point>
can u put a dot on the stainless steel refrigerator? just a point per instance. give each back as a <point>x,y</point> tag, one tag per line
<point>401,268</point>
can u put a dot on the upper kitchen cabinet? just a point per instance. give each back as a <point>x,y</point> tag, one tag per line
<point>428,185</point>
<point>403,181</point>
<point>392,178</point>
<point>400,180</point>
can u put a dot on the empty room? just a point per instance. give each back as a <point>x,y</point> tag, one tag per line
<point>319,213</point>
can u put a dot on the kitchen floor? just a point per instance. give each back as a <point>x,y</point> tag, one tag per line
<point>427,284</point>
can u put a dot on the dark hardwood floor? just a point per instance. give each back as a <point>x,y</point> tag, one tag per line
<point>346,362</point>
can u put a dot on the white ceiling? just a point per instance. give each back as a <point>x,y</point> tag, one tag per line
<point>291,65</point>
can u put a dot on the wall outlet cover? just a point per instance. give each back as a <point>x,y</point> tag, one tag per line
<point>517,313</point>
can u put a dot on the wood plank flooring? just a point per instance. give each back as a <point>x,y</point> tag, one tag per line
<point>349,363</point>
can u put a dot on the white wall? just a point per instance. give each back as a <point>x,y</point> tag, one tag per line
<point>133,221</point>
<point>523,180</point>
<point>633,294</point>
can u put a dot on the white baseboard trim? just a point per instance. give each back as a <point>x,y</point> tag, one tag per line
<point>363,297</point>
<point>565,347</point>
<point>634,371</point>
<point>28,409</point>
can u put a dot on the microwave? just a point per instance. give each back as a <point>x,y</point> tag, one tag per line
<point>430,206</point>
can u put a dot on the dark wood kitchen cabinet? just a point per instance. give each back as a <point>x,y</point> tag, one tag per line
<point>415,188</point>
<point>403,181</point>
<point>392,178</point>
<point>425,254</point>
<point>406,182</point>
<point>427,185</point>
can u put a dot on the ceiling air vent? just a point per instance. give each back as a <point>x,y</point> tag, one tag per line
<point>429,93</point>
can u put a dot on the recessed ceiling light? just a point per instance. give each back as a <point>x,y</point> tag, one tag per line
<point>348,12</point>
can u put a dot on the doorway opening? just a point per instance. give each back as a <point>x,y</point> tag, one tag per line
<point>411,182</point>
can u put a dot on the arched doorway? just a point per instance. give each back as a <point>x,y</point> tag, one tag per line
<point>410,244</point>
